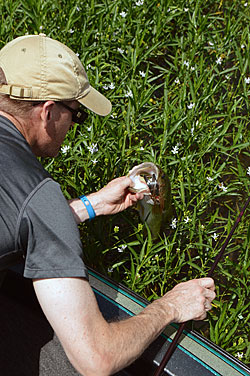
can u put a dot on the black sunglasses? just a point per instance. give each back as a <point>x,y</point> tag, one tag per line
<point>78,116</point>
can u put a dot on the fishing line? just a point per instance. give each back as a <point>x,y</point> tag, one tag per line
<point>174,343</point>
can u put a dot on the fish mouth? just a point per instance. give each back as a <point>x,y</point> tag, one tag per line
<point>145,179</point>
<point>140,185</point>
<point>153,185</point>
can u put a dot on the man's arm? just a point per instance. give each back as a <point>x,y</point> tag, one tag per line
<point>111,199</point>
<point>96,347</point>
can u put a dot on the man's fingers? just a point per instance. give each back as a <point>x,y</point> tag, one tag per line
<point>139,196</point>
<point>207,282</point>
<point>207,305</point>
<point>209,294</point>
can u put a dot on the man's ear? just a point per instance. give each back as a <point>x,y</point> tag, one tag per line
<point>46,112</point>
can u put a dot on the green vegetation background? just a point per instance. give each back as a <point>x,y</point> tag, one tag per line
<point>177,73</point>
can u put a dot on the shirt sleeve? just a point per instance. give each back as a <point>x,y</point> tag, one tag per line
<point>53,244</point>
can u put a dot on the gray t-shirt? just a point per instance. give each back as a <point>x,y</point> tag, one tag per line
<point>36,223</point>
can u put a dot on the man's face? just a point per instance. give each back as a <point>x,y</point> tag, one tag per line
<point>51,137</point>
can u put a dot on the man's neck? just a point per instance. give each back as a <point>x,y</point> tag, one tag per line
<point>15,121</point>
<point>20,124</point>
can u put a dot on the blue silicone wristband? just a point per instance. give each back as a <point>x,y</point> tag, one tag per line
<point>88,206</point>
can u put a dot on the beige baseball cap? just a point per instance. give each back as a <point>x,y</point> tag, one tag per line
<point>38,68</point>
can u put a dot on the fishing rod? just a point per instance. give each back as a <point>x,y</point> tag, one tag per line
<point>174,343</point>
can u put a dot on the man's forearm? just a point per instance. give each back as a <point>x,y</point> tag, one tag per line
<point>134,335</point>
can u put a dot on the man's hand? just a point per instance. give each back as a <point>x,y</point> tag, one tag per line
<point>190,300</point>
<point>115,196</point>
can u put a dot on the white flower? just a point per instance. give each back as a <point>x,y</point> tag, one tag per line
<point>121,248</point>
<point>186,9</point>
<point>129,94</point>
<point>89,129</point>
<point>192,131</point>
<point>105,87</point>
<point>219,61</point>
<point>123,14</point>
<point>247,80</point>
<point>173,224</point>
<point>209,178</point>
<point>41,27</point>
<point>65,149</point>
<point>71,31</point>
<point>221,186</point>
<point>177,81</point>
<point>141,148</point>
<point>239,355</point>
<point>210,43</point>
<point>187,219</point>
<point>139,2</point>
<point>141,73</point>
<point>248,170</point>
<point>93,148</point>
<point>191,105</point>
<point>215,236</point>
<point>242,46</point>
<point>78,9</point>
<point>186,63</point>
<point>88,66</point>
<point>246,4</point>
<point>192,68</point>
<point>110,270</point>
<point>175,149</point>
<point>120,50</point>
<point>111,86</point>
<point>77,54</point>
<point>94,161</point>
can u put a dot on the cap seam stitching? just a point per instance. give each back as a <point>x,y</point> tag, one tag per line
<point>43,67</point>
<point>74,67</point>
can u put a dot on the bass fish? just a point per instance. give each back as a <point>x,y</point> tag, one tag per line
<point>155,208</point>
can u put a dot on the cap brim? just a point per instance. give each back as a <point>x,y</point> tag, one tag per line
<point>96,102</point>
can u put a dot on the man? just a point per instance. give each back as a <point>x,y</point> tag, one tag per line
<point>43,87</point>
